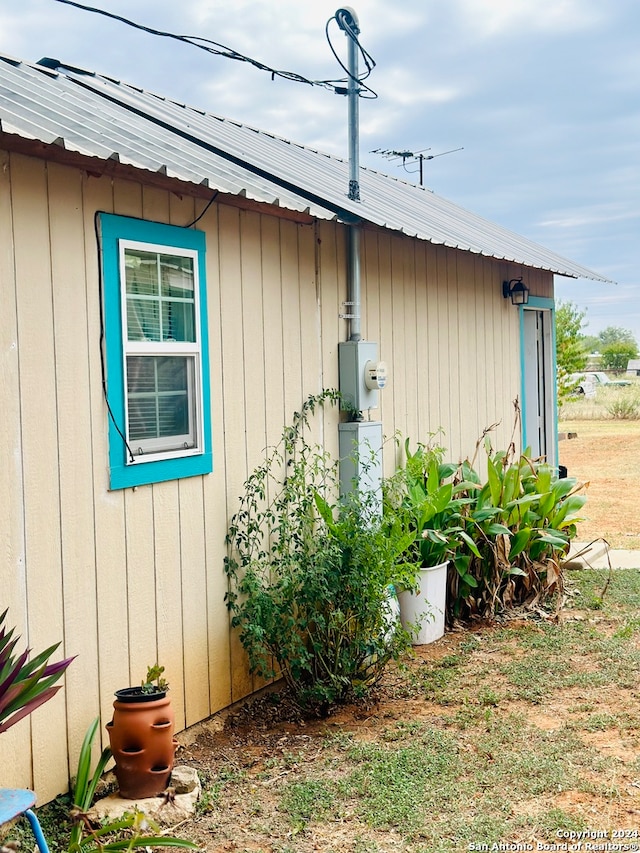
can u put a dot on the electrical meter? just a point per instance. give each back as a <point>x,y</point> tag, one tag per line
<point>375,375</point>
<point>362,376</point>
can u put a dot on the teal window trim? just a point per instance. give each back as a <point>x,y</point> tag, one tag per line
<point>124,474</point>
<point>547,304</point>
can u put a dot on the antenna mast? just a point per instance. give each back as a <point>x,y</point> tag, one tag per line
<point>413,157</point>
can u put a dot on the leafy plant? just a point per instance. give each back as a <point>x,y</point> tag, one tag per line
<point>126,833</point>
<point>420,497</point>
<point>25,684</point>
<point>84,787</point>
<point>571,355</point>
<point>521,520</point>
<point>616,355</point>
<point>155,680</point>
<point>310,573</point>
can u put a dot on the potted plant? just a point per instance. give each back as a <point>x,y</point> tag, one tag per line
<point>133,830</point>
<point>141,736</point>
<point>422,496</point>
<point>154,686</point>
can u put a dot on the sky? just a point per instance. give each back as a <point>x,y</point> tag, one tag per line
<point>542,96</point>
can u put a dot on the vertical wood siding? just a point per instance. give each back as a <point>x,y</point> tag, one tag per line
<point>125,578</point>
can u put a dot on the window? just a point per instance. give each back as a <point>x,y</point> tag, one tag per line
<point>156,351</point>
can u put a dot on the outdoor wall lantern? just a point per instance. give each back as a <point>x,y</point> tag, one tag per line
<point>517,290</point>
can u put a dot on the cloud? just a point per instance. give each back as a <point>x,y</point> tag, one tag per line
<point>586,217</point>
<point>403,89</point>
<point>503,17</point>
<point>544,96</point>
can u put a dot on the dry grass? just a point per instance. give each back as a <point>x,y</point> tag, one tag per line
<point>503,734</point>
<point>607,404</point>
<point>606,455</point>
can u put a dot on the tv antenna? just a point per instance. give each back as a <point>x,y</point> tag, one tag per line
<point>411,157</point>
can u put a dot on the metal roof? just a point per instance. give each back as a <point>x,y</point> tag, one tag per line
<point>100,117</point>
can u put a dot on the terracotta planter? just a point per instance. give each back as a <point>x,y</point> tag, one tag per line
<point>142,742</point>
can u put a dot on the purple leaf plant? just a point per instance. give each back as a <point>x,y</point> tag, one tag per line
<point>25,684</point>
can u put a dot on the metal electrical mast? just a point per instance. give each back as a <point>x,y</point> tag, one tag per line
<point>348,23</point>
<point>361,374</point>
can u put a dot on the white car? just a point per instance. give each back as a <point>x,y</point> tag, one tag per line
<point>589,381</point>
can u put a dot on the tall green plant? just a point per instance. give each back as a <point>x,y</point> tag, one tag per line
<point>420,496</point>
<point>25,684</point>
<point>310,573</point>
<point>521,519</point>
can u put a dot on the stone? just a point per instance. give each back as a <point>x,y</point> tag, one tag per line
<point>184,779</point>
<point>167,809</point>
<point>106,785</point>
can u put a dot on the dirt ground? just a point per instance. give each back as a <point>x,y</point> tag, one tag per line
<point>265,748</point>
<point>263,744</point>
<point>606,456</point>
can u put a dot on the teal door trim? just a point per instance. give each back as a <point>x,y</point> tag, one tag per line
<point>539,303</point>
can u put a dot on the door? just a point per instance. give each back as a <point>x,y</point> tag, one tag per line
<point>539,424</point>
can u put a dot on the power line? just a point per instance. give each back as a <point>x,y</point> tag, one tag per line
<point>218,49</point>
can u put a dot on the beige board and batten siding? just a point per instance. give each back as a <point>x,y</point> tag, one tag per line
<point>126,577</point>
<point>449,338</point>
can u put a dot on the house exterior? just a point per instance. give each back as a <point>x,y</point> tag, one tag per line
<point>172,289</point>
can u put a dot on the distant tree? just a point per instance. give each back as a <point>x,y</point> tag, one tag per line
<point>591,343</point>
<point>571,356</point>
<point>614,335</point>
<point>615,356</point>
<point>570,351</point>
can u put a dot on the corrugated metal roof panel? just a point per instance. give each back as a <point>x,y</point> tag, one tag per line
<point>99,117</point>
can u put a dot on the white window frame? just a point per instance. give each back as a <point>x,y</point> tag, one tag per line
<point>155,449</point>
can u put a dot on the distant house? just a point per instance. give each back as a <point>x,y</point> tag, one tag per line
<point>633,367</point>
<point>173,287</point>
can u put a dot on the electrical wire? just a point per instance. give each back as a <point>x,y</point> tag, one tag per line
<point>103,368</point>
<point>366,56</point>
<point>202,213</point>
<point>218,49</point>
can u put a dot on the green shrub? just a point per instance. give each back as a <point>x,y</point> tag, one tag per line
<point>625,408</point>
<point>521,520</point>
<point>504,535</point>
<point>310,574</point>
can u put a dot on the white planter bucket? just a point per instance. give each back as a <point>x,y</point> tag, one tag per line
<point>422,611</point>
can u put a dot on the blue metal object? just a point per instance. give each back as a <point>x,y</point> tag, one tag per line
<point>15,802</point>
